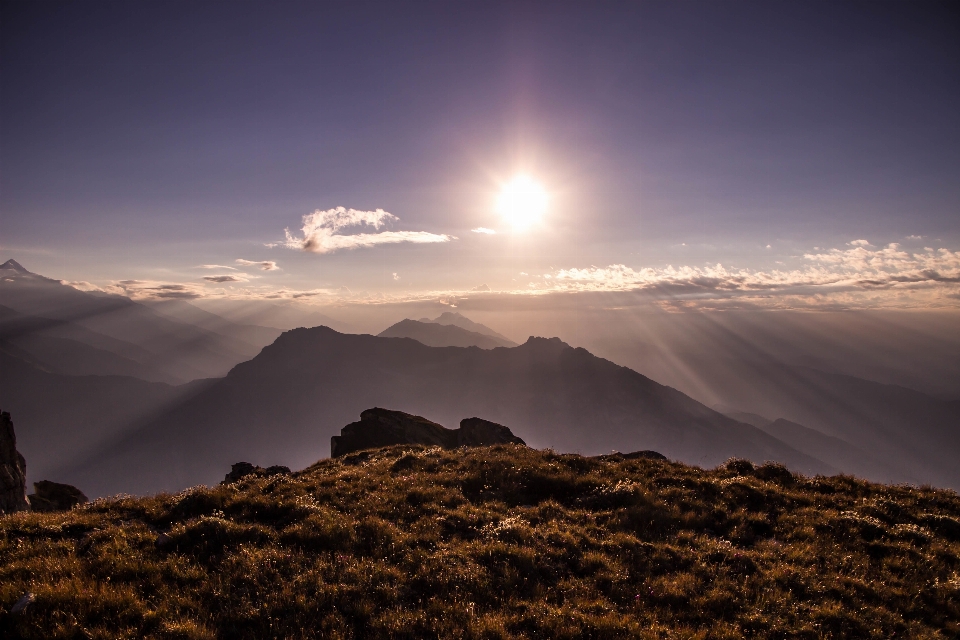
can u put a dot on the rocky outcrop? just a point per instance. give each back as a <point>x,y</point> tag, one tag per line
<point>383,427</point>
<point>13,469</point>
<point>54,496</point>
<point>241,470</point>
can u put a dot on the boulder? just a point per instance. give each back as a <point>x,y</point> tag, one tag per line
<point>13,470</point>
<point>477,432</point>
<point>383,427</point>
<point>241,470</point>
<point>54,496</point>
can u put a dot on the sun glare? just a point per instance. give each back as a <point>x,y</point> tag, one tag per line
<point>522,202</point>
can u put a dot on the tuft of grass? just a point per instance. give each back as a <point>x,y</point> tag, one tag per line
<point>496,542</point>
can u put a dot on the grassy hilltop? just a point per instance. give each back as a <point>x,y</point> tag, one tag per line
<point>496,542</point>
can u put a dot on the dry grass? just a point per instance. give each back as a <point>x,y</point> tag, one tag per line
<point>498,542</point>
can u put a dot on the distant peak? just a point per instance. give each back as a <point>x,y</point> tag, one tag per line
<point>14,266</point>
<point>451,314</point>
<point>537,341</point>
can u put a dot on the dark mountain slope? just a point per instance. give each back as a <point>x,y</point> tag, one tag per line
<point>441,335</point>
<point>59,417</point>
<point>283,406</point>
<point>902,428</point>
<point>834,451</point>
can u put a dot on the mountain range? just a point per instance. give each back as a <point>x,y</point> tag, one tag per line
<point>96,384</point>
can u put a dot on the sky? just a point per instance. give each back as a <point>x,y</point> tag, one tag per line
<point>788,155</point>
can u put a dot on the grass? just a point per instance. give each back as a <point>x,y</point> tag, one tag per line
<point>499,542</point>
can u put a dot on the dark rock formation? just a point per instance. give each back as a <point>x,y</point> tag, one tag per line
<point>13,469</point>
<point>383,427</point>
<point>477,432</point>
<point>54,496</point>
<point>241,470</point>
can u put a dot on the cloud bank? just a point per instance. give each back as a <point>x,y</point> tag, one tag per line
<point>859,269</point>
<point>323,231</point>
<point>858,275</point>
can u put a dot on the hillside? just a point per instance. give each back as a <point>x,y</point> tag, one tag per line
<point>283,407</point>
<point>500,542</point>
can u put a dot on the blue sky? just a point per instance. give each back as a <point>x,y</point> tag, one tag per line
<point>143,140</point>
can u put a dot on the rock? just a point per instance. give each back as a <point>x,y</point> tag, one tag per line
<point>382,427</point>
<point>25,601</point>
<point>54,496</point>
<point>243,469</point>
<point>13,470</point>
<point>477,432</point>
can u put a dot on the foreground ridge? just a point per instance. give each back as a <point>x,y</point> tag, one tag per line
<point>493,542</point>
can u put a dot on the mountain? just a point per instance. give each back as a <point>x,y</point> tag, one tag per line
<point>63,347</point>
<point>60,417</point>
<point>834,451</point>
<point>283,407</point>
<point>455,319</point>
<point>183,311</point>
<point>442,335</point>
<point>178,350</point>
<point>492,542</point>
<point>915,437</point>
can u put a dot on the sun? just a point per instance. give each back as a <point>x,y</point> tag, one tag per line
<point>522,202</point>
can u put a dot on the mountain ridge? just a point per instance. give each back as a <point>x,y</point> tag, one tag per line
<point>287,402</point>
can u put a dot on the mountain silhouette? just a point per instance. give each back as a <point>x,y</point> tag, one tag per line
<point>283,406</point>
<point>443,335</point>
<point>459,320</point>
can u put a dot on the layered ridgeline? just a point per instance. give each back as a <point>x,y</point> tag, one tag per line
<point>283,406</point>
<point>72,332</point>
<point>77,368</point>
<point>496,542</point>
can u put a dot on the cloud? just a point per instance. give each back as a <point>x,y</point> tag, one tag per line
<point>914,237</point>
<point>139,289</point>
<point>483,230</point>
<point>858,270</point>
<point>266,265</point>
<point>82,285</point>
<point>859,243</point>
<point>482,287</point>
<point>215,266</point>
<point>225,278</point>
<point>322,231</point>
<point>395,276</point>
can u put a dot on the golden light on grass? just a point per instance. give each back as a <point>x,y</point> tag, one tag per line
<point>522,202</point>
